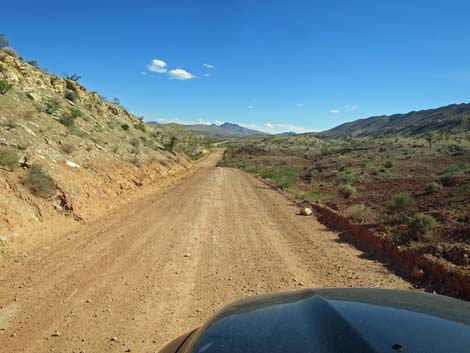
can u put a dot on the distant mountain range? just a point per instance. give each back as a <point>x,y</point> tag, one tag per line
<point>448,119</point>
<point>225,130</point>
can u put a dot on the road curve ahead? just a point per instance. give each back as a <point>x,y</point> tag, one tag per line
<point>163,265</point>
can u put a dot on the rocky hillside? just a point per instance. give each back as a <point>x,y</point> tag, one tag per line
<point>68,154</point>
<point>454,118</point>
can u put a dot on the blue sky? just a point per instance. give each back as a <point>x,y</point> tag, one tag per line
<point>275,65</point>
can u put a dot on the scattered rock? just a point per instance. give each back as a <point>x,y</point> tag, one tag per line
<point>306,211</point>
<point>114,339</point>
<point>72,164</point>
<point>56,334</point>
<point>186,255</point>
<point>417,273</point>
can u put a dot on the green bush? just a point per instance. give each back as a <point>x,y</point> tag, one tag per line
<point>3,41</point>
<point>388,164</point>
<point>5,87</point>
<point>347,191</point>
<point>140,126</point>
<point>421,227</point>
<point>312,195</point>
<point>69,118</point>
<point>125,127</point>
<point>71,95</point>
<point>346,177</point>
<point>39,182</point>
<point>171,144</point>
<point>359,214</point>
<point>400,203</point>
<point>433,187</point>
<point>52,105</point>
<point>8,158</point>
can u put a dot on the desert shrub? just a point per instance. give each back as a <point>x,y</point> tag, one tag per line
<point>398,207</point>
<point>347,191</point>
<point>39,182</point>
<point>345,177</point>
<point>421,227</point>
<point>400,203</point>
<point>312,195</point>
<point>111,124</point>
<point>67,147</point>
<point>52,105</point>
<point>72,77</point>
<point>8,158</point>
<point>136,161</point>
<point>5,87</point>
<point>140,126</point>
<point>135,142</point>
<point>69,118</point>
<point>359,214</point>
<point>33,63</point>
<point>11,52</point>
<point>433,187</point>
<point>388,164</point>
<point>125,127</point>
<point>170,145</point>
<point>447,176</point>
<point>71,95</point>
<point>3,41</point>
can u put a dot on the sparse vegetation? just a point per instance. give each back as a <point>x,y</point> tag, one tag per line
<point>39,182</point>
<point>400,204</point>
<point>69,118</point>
<point>170,145</point>
<point>72,77</point>
<point>359,213</point>
<point>433,187</point>
<point>347,191</point>
<point>312,195</point>
<point>5,87</point>
<point>8,158</point>
<point>421,227</point>
<point>3,41</point>
<point>140,126</point>
<point>125,127</point>
<point>71,95</point>
<point>52,105</point>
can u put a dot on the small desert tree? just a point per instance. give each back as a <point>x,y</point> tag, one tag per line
<point>73,77</point>
<point>3,41</point>
<point>430,138</point>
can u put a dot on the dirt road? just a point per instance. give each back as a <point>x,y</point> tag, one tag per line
<point>163,265</point>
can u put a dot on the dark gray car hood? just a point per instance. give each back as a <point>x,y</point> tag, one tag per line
<point>337,320</point>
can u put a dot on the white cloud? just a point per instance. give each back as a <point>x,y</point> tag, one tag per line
<point>275,128</point>
<point>206,75</point>
<point>180,74</point>
<point>334,111</point>
<point>158,66</point>
<point>209,66</point>
<point>143,73</point>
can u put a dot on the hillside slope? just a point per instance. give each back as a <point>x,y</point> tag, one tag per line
<point>449,119</point>
<point>69,155</point>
